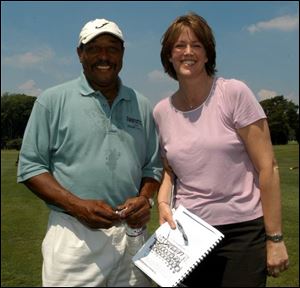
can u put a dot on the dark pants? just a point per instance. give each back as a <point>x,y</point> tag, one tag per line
<point>238,261</point>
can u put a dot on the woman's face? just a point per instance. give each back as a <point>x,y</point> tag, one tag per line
<point>188,55</point>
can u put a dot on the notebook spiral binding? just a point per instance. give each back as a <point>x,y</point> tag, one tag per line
<point>154,255</point>
<point>178,283</point>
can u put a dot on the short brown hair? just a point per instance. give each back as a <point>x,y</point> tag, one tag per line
<point>203,32</point>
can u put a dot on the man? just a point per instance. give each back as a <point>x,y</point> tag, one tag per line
<point>90,149</point>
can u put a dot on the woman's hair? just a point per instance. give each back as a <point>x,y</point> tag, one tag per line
<point>202,31</point>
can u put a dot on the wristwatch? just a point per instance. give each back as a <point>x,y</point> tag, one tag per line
<point>275,237</point>
<point>150,201</point>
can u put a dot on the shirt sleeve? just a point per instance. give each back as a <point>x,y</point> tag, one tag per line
<point>34,153</point>
<point>153,163</point>
<point>247,109</point>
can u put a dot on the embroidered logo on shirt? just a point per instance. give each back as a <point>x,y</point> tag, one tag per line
<point>134,123</point>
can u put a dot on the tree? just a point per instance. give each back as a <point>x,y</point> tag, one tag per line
<point>15,112</point>
<point>283,119</point>
<point>297,129</point>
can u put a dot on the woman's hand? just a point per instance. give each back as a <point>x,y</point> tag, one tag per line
<point>165,214</point>
<point>277,258</point>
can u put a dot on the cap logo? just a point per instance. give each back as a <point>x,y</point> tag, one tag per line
<point>98,27</point>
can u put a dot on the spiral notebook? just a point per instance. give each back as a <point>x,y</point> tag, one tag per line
<point>170,255</point>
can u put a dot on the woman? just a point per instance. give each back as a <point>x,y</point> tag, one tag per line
<point>218,154</point>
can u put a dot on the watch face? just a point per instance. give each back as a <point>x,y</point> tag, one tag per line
<point>275,238</point>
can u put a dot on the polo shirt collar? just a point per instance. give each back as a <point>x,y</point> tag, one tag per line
<point>86,89</point>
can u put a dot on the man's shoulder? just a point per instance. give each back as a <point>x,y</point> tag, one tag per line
<point>60,90</point>
<point>64,87</point>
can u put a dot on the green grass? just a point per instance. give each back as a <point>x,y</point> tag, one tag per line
<point>24,220</point>
<point>23,224</point>
<point>288,157</point>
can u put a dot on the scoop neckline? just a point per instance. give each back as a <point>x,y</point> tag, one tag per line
<point>198,107</point>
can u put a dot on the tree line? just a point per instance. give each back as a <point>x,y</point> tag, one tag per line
<point>15,112</point>
<point>283,119</point>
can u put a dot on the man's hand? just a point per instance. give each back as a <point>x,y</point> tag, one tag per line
<point>92,213</point>
<point>95,214</point>
<point>135,211</point>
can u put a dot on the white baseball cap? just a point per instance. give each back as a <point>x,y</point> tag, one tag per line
<point>96,27</point>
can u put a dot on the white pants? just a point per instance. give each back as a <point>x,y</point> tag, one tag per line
<point>75,255</point>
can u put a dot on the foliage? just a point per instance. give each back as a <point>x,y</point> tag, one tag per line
<point>283,119</point>
<point>15,112</point>
<point>14,144</point>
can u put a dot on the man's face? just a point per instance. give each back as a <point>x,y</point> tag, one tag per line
<point>102,60</point>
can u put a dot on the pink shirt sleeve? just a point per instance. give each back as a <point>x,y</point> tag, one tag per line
<point>246,109</point>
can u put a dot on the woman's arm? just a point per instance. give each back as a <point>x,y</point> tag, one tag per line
<point>164,196</point>
<point>259,146</point>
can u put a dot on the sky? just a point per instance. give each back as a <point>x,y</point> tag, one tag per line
<point>256,42</point>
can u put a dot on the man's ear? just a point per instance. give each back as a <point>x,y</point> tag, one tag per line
<point>79,53</point>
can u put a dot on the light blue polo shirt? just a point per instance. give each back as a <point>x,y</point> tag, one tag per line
<point>93,150</point>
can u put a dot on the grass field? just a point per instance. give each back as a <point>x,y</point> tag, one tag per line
<point>24,220</point>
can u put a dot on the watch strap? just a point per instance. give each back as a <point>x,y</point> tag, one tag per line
<point>275,238</point>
